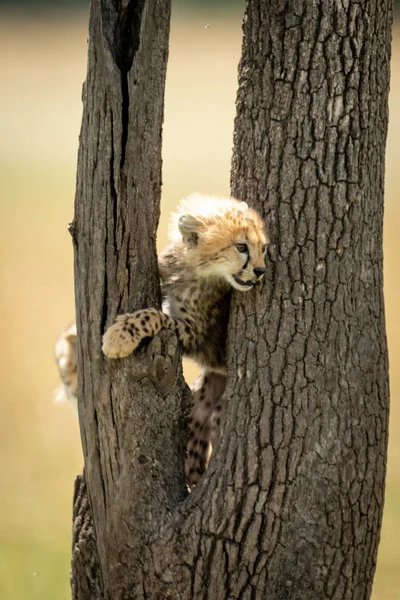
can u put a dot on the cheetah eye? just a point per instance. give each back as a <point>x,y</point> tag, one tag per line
<point>242,248</point>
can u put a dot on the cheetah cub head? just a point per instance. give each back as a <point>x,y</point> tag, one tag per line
<point>222,238</point>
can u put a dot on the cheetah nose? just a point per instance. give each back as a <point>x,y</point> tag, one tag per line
<point>258,271</point>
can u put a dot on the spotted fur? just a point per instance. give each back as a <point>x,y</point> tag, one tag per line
<point>216,244</point>
<point>65,355</point>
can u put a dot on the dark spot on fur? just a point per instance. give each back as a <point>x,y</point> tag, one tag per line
<point>218,421</point>
<point>147,317</point>
<point>143,322</point>
<point>208,404</point>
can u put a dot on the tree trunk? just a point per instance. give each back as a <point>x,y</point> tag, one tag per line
<point>291,505</point>
<point>130,411</point>
<point>310,138</point>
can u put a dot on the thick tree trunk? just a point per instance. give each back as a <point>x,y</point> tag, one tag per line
<point>291,505</point>
<point>310,138</point>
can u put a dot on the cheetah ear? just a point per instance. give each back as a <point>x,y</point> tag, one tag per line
<point>189,228</point>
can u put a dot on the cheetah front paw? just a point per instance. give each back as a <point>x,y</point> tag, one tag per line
<point>122,338</point>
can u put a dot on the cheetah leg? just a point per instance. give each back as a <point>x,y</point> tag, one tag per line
<point>65,356</point>
<point>207,392</point>
<point>130,329</point>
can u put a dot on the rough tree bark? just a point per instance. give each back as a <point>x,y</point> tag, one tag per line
<point>130,411</point>
<point>291,505</point>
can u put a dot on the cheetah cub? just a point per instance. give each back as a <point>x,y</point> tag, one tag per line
<point>216,244</point>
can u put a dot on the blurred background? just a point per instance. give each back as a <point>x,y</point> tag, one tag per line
<point>42,67</point>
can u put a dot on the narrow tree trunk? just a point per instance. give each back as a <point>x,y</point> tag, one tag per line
<point>291,505</point>
<point>130,411</point>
